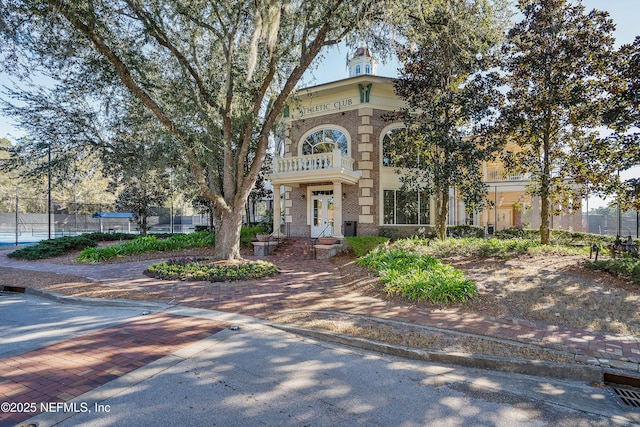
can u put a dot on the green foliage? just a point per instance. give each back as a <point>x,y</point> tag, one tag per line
<point>452,95</point>
<point>622,115</point>
<point>556,64</point>
<point>364,244</point>
<point>475,247</point>
<point>624,266</point>
<point>145,244</point>
<point>389,232</point>
<point>266,223</point>
<point>215,104</point>
<point>53,247</point>
<point>248,233</point>
<point>518,233</point>
<point>419,277</point>
<point>557,237</point>
<point>139,196</point>
<point>62,245</point>
<point>199,269</point>
<point>110,237</point>
<point>424,233</point>
<point>465,231</point>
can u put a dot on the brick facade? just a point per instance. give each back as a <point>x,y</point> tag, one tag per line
<point>345,105</point>
<point>360,202</point>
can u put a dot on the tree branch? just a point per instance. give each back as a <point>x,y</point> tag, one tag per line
<point>121,68</point>
<point>162,38</point>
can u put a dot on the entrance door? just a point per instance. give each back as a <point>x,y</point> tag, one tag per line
<point>322,219</point>
<point>504,219</point>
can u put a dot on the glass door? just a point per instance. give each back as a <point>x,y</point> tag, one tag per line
<point>322,218</point>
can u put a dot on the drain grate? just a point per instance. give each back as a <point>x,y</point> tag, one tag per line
<point>627,396</point>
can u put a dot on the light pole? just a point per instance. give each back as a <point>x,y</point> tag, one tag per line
<point>619,214</point>
<point>171,197</point>
<point>17,205</point>
<point>76,180</point>
<point>49,190</point>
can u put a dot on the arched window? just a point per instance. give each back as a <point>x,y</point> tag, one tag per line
<point>367,69</point>
<point>390,146</point>
<point>324,141</point>
<point>357,70</point>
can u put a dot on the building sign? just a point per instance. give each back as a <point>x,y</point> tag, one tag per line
<point>325,107</point>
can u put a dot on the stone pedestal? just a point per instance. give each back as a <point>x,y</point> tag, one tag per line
<point>327,251</point>
<point>264,248</point>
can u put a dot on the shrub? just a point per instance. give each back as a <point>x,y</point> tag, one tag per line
<point>419,277</point>
<point>424,233</point>
<point>389,232</point>
<point>518,233</point>
<point>460,231</point>
<point>248,233</point>
<point>197,269</point>
<point>557,237</point>
<point>53,247</point>
<point>364,244</point>
<point>149,243</point>
<point>501,248</point>
<point>62,245</point>
<point>110,237</point>
<point>624,266</point>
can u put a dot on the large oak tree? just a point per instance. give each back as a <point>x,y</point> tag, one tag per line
<point>214,74</point>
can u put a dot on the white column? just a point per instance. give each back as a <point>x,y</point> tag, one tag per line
<point>277,213</point>
<point>337,159</point>
<point>337,210</point>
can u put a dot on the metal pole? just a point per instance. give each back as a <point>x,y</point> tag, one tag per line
<point>17,204</point>
<point>75,206</point>
<point>495,209</point>
<point>171,195</point>
<point>619,216</point>
<point>49,190</point>
<point>587,200</point>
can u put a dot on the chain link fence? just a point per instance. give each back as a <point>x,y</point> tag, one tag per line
<point>25,220</point>
<point>627,224</point>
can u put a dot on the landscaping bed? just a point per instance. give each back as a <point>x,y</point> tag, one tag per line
<point>554,289</point>
<point>197,269</point>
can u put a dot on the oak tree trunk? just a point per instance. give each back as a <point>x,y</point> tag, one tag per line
<point>228,227</point>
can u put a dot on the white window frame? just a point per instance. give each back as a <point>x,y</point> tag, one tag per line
<point>324,127</point>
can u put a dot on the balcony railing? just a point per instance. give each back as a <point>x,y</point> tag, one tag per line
<point>499,174</point>
<point>313,162</point>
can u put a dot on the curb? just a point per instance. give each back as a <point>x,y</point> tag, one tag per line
<point>102,302</point>
<point>567,371</point>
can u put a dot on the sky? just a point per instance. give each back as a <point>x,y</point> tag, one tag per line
<point>625,14</point>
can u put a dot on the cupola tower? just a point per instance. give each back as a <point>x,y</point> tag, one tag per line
<point>362,63</point>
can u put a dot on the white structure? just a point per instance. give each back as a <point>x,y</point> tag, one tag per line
<point>362,63</point>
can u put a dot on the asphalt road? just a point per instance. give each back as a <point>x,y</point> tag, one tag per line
<point>261,376</point>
